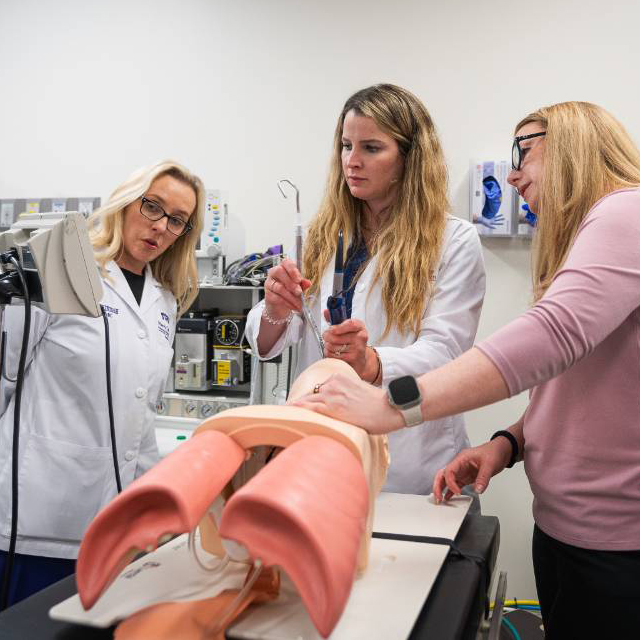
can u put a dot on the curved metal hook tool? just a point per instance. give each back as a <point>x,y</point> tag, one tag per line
<point>286,181</point>
<point>297,231</point>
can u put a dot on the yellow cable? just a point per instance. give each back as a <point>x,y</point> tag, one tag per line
<point>514,603</point>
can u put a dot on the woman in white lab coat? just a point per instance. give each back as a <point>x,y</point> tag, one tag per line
<point>144,240</point>
<point>414,274</point>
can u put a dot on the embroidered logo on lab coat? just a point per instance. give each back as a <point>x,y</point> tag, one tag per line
<point>111,311</point>
<point>163,325</point>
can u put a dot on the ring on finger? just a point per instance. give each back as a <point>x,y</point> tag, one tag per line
<point>341,349</point>
<point>316,388</point>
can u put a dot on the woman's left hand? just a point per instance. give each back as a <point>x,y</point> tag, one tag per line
<point>353,401</point>
<point>475,465</point>
<point>348,341</point>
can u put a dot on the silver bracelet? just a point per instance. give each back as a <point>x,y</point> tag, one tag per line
<point>276,321</point>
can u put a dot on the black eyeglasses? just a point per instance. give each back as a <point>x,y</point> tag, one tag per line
<point>153,211</point>
<point>516,152</point>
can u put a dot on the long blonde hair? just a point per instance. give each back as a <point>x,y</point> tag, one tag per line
<point>176,268</point>
<point>587,154</point>
<point>408,247</point>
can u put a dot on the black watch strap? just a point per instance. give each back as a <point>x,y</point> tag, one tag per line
<point>514,445</point>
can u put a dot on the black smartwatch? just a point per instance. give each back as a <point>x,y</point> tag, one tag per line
<point>404,395</point>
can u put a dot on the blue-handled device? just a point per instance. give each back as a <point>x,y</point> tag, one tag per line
<point>336,303</point>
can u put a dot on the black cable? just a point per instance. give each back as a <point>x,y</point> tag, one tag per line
<point>8,567</point>
<point>114,450</point>
<point>3,345</point>
<point>289,359</point>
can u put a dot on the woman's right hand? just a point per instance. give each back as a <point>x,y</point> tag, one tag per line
<point>476,465</point>
<point>283,288</point>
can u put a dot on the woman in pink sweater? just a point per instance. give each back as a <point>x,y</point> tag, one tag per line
<point>578,350</point>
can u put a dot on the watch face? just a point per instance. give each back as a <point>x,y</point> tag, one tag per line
<point>404,390</point>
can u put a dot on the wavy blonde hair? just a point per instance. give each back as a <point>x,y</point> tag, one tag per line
<point>587,154</point>
<point>175,269</point>
<point>409,245</point>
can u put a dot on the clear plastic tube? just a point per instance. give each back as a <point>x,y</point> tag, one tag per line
<point>218,625</point>
<point>220,564</point>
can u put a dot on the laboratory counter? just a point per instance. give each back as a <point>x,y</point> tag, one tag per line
<point>452,611</point>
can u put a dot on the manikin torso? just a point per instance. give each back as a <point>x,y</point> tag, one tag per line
<point>253,424</point>
<point>309,510</point>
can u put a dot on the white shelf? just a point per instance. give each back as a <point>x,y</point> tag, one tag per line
<point>211,394</point>
<point>228,287</point>
<point>177,422</point>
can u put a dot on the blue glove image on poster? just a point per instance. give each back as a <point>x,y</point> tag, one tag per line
<point>492,197</point>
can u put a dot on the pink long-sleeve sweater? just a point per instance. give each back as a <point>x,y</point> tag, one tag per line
<point>579,349</point>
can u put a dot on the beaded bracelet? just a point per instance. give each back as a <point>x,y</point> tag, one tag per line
<point>276,321</point>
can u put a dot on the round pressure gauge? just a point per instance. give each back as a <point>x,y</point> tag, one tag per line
<point>227,332</point>
<point>206,409</point>
<point>191,408</point>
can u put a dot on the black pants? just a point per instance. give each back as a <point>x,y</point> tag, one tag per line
<point>32,573</point>
<point>586,594</point>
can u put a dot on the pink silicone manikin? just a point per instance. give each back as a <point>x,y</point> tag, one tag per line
<point>273,425</point>
<point>170,498</point>
<point>306,512</point>
<point>312,492</point>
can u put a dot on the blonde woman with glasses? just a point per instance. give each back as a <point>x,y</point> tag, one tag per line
<point>578,352</point>
<point>144,240</point>
<point>413,273</point>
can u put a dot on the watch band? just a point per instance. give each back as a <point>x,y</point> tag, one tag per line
<point>514,445</point>
<point>412,416</point>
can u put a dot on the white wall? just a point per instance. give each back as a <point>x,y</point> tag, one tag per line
<point>246,92</point>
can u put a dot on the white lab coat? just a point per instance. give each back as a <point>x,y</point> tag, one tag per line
<point>448,329</point>
<point>66,472</point>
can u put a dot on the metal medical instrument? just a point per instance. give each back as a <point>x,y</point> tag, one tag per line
<point>297,221</point>
<point>496,618</point>
<point>297,231</point>
<point>46,259</point>
<point>55,252</point>
<point>336,303</point>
